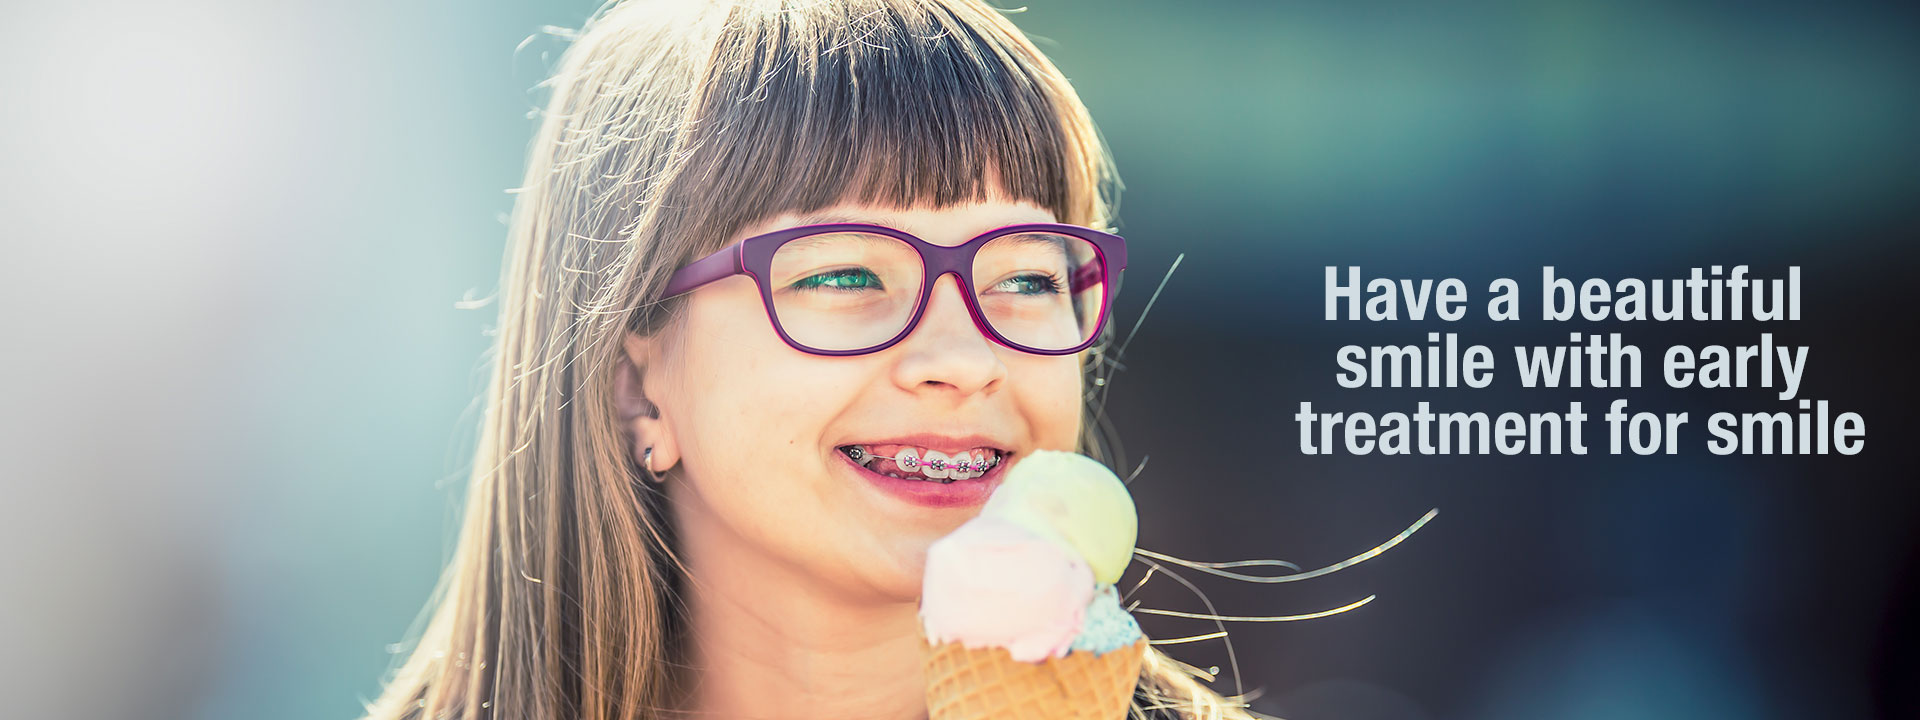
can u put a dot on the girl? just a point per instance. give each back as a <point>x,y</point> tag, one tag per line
<point>760,242</point>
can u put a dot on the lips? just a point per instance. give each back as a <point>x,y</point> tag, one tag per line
<point>930,470</point>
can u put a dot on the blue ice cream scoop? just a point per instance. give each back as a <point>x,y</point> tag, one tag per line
<point>1106,627</point>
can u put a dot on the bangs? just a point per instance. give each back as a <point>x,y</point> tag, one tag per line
<point>887,103</point>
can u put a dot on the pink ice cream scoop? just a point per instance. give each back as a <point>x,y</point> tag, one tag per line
<point>993,583</point>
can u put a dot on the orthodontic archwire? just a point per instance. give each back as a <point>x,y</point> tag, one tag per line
<point>910,462</point>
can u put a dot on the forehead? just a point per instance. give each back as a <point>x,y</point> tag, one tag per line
<point>949,225</point>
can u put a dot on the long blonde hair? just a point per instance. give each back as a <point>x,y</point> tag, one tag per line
<point>673,124</point>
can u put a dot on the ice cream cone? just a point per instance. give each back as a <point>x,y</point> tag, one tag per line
<point>981,683</point>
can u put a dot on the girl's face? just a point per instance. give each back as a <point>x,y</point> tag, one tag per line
<point>761,430</point>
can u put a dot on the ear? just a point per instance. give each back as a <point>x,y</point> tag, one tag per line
<point>636,412</point>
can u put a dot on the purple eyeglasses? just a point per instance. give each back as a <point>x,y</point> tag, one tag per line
<point>850,288</point>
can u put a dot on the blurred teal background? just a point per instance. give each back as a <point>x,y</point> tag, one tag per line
<point>239,391</point>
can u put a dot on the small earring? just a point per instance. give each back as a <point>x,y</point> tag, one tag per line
<point>647,462</point>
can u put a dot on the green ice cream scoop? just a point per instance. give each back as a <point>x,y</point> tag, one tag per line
<point>1073,499</point>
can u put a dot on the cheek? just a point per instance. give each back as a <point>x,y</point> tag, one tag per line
<point>1049,392</point>
<point>744,390</point>
<point>754,412</point>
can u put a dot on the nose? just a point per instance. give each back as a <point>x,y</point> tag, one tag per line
<point>946,352</point>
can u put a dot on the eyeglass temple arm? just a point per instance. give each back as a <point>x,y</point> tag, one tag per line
<point>1088,274</point>
<point>720,265</point>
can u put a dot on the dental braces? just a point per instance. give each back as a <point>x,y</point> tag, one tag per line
<point>909,462</point>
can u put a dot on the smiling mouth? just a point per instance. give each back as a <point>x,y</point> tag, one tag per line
<point>907,462</point>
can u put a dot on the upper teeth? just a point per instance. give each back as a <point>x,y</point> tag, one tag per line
<point>936,463</point>
<point>933,464</point>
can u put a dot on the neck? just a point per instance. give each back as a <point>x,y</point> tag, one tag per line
<point>769,641</point>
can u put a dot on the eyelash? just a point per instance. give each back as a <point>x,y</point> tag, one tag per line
<point>820,280</point>
<point>1050,283</point>
<point>1050,280</point>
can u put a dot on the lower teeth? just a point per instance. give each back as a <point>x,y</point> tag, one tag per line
<point>917,476</point>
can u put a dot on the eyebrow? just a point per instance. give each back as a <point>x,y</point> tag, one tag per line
<point>834,218</point>
<point>1034,238</point>
<point>817,240</point>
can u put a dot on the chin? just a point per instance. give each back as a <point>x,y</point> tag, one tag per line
<point>895,571</point>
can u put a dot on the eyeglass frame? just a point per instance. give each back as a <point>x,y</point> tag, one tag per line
<point>753,257</point>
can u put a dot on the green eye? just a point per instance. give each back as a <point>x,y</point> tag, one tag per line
<point>1031,284</point>
<point>841,279</point>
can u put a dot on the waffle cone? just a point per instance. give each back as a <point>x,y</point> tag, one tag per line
<point>977,684</point>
